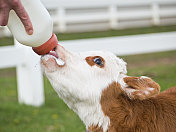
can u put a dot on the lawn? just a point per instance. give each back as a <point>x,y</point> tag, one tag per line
<point>55,116</point>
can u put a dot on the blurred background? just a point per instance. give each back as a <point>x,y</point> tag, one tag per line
<point>141,32</point>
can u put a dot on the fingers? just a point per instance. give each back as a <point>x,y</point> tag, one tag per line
<point>4,14</point>
<point>22,14</point>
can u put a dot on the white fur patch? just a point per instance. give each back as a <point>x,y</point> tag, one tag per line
<point>143,77</point>
<point>146,92</point>
<point>150,89</point>
<point>80,85</point>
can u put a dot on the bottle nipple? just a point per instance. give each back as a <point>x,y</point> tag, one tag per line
<point>47,46</point>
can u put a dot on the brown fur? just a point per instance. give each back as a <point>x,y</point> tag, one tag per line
<point>143,87</point>
<point>156,114</point>
<point>95,128</point>
<point>90,61</point>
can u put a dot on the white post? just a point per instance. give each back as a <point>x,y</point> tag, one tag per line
<point>29,78</point>
<point>7,32</point>
<point>61,19</point>
<point>155,14</point>
<point>4,31</point>
<point>113,18</point>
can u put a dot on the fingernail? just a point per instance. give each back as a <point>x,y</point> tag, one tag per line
<point>30,32</point>
<point>2,24</point>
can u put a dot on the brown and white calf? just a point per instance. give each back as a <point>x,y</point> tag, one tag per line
<point>95,86</point>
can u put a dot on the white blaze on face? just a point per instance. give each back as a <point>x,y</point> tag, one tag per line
<point>81,80</point>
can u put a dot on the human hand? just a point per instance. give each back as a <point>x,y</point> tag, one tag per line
<point>7,5</point>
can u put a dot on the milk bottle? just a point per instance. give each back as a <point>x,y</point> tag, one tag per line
<point>42,40</point>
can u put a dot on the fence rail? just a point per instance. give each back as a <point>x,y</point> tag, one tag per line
<point>92,15</point>
<point>126,45</point>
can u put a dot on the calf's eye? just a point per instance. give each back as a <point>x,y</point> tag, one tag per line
<point>95,60</point>
<point>98,61</point>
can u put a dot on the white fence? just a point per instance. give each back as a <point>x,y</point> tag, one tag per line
<point>29,76</point>
<point>126,45</point>
<point>92,15</point>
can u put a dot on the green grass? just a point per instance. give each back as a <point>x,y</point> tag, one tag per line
<point>6,41</point>
<point>99,34</point>
<point>55,116</point>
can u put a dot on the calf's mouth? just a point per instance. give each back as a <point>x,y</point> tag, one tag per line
<point>54,55</point>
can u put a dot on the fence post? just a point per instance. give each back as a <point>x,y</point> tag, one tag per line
<point>113,18</point>
<point>4,31</point>
<point>155,14</point>
<point>30,78</point>
<point>61,19</point>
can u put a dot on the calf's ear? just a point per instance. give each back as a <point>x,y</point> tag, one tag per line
<point>140,87</point>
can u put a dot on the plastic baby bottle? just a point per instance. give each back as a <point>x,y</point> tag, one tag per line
<point>42,40</point>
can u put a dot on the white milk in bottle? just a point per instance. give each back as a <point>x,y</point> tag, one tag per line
<point>42,40</point>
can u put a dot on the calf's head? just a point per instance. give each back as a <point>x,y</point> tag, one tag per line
<point>81,78</point>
